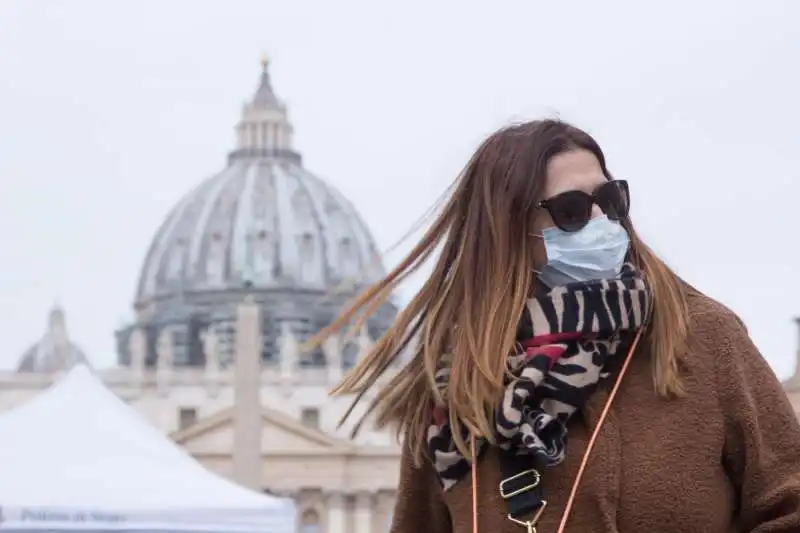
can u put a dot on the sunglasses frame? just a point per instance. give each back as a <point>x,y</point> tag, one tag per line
<point>593,198</point>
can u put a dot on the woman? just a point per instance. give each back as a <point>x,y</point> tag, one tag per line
<point>526,348</point>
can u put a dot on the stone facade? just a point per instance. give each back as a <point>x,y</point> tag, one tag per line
<point>792,385</point>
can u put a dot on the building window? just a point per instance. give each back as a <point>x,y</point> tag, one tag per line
<point>262,254</point>
<point>186,417</point>
<point>215,261</point>
<point>310,522</point>
<point>175,262</point>
<point>348,258</point>
<point>349,355</point>
<point>180,346</point>
<point>309,417</point>
<point>307,246</point>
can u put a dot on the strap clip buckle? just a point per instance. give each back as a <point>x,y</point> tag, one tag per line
<point>507,492</point>
<point>530,524</point>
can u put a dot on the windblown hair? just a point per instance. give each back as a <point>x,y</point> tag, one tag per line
<point>471,303</point>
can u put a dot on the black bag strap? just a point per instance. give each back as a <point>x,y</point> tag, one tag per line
<point>521,487</point>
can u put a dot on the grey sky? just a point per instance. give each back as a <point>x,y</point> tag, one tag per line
<point>110,111</point>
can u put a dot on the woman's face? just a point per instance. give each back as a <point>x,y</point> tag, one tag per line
<point>568,171</point>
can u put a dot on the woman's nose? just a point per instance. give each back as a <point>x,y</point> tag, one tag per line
<point>596,211</point>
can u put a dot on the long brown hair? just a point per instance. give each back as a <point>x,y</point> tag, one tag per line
<point>471,303</point>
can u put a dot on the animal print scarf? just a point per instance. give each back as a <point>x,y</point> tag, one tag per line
<point>565,338</point>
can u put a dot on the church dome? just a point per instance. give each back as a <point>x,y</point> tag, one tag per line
<point>264,227</point>
<point>54,351</point>
<point>264,222</point>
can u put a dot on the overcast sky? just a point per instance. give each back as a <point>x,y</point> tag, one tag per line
<point>111,111</point>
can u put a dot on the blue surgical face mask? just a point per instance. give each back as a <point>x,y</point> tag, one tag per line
<point>596,251</point>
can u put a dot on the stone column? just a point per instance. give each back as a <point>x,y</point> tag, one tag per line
<point>289,356</point>
<point>247,389</point>
<point>363,513</point>
<point>337,513</point>
<point>211,353</point>
<point>333,355</point>
<point>290,351</point>
<point>796,373</point>
<point>137,347</point>
<point>792,385</point>
<point>164,352</point>
<point>383,510</point>
<point>365,344</point>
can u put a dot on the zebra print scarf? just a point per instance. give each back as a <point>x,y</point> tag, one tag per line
<point>565,338</point>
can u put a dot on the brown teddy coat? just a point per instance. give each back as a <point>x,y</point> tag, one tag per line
<point>724,458</point>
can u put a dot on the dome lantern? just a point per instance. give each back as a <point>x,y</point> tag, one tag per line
<point>54,351</point>
<point>264,129</point>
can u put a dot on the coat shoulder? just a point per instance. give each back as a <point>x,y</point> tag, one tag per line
<point>709,317</point>
<point>713,330</point>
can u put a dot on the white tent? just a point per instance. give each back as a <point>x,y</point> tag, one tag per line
<point>76,457</point>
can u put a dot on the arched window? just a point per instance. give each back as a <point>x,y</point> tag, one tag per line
<point>175,264</point>
<point>215,262</point>
<point>301,202</point>
<point>348,258</point>
<point>350,355</point>
<point>262,256</point>
<point>305,242</point>
<point>310,522</point>
<point>309,267</point>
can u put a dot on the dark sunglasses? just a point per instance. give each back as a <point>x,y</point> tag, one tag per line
<point>572,210</point>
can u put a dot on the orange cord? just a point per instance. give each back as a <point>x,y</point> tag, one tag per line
<point>571,500</point>
<point>474,486</point>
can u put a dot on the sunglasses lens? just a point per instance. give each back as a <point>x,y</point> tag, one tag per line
<point>613,199</point>
<point>571,210</point>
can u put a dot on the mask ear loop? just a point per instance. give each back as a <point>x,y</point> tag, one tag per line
<point>540,237</point>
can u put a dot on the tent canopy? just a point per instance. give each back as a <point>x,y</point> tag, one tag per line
<point>78,448</point>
